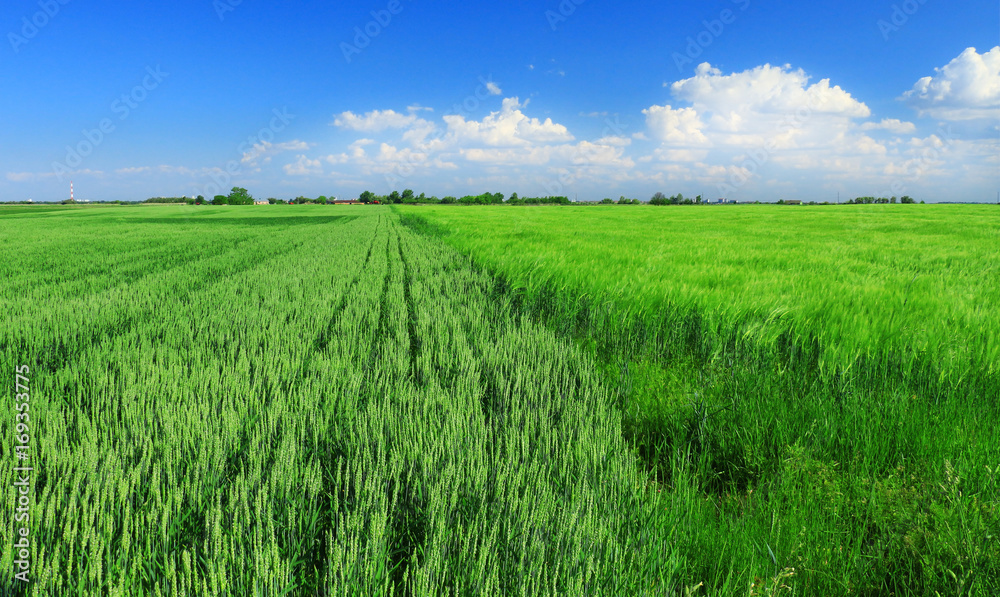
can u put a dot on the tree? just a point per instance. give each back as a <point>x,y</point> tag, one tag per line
<point>610,201</point>
<point>448,200</point>
<point>321,200</point>
<point>407,197</point>
<point>394,197</point>
<point>220,200</point>
<point>657,199</point>
<point>199,200</point>
<point>906,199</point>
<point>240,196</point>
<point>366,197</point>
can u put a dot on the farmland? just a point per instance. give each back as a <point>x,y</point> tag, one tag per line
<point>314,400</point>
<point>825,380</point>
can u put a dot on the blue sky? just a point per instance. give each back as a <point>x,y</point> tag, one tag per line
<point>745,99</point>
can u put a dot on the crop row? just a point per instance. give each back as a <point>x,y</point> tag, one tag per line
<point>338,408</point>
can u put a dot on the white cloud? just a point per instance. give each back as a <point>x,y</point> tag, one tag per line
<point>868,146</point>
<point>493,88</point>
<point>38,176</point>
<point>765,90</point>
<point>265,150</point>
<point>679,155</point>
<point>681,127</point>
<point>891,125</point>
<point>739,131</point>
<point>303,166</point>
<point>742,129</point>
<point>133,170</point>
<point>506,128</point>
<point>29,176</point>
<point>614,141</point>
<point>764,110</point>
<point>967,88</point>
<point>355,152</point>
<point>583,154</point>
<point>374,121</point>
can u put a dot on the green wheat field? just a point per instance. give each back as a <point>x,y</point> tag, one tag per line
<point>479,401</point>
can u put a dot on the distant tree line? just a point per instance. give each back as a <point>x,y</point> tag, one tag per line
<point>408,197</point>
<point>167,200</point>
<point>868,200</point>
<point>240,196</point>
<point>678,199</point>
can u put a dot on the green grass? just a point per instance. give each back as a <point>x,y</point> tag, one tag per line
<point>338,407</point>
<point>916,282</point>
<point>816,388</point>
<point>316,401</point>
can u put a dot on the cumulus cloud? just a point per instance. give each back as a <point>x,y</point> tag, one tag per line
<point>765,109</point>
<point>355,151</point>
<point>765,90</point>
<point>891,125</point>
<point>967,88</point>
<point>507,142</point>
<point>375,121</point>
<point>263,151</point>
<point>303,166</point>
<point>739,132</point>
<point>506,128</point>
<point>680,127</point>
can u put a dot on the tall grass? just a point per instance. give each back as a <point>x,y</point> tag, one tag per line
<point>248,403</point>
<point>815,389</point>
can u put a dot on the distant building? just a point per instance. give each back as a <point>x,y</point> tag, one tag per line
<point>793,202</point>
<point>347,202</point>
<point>261,202</point>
